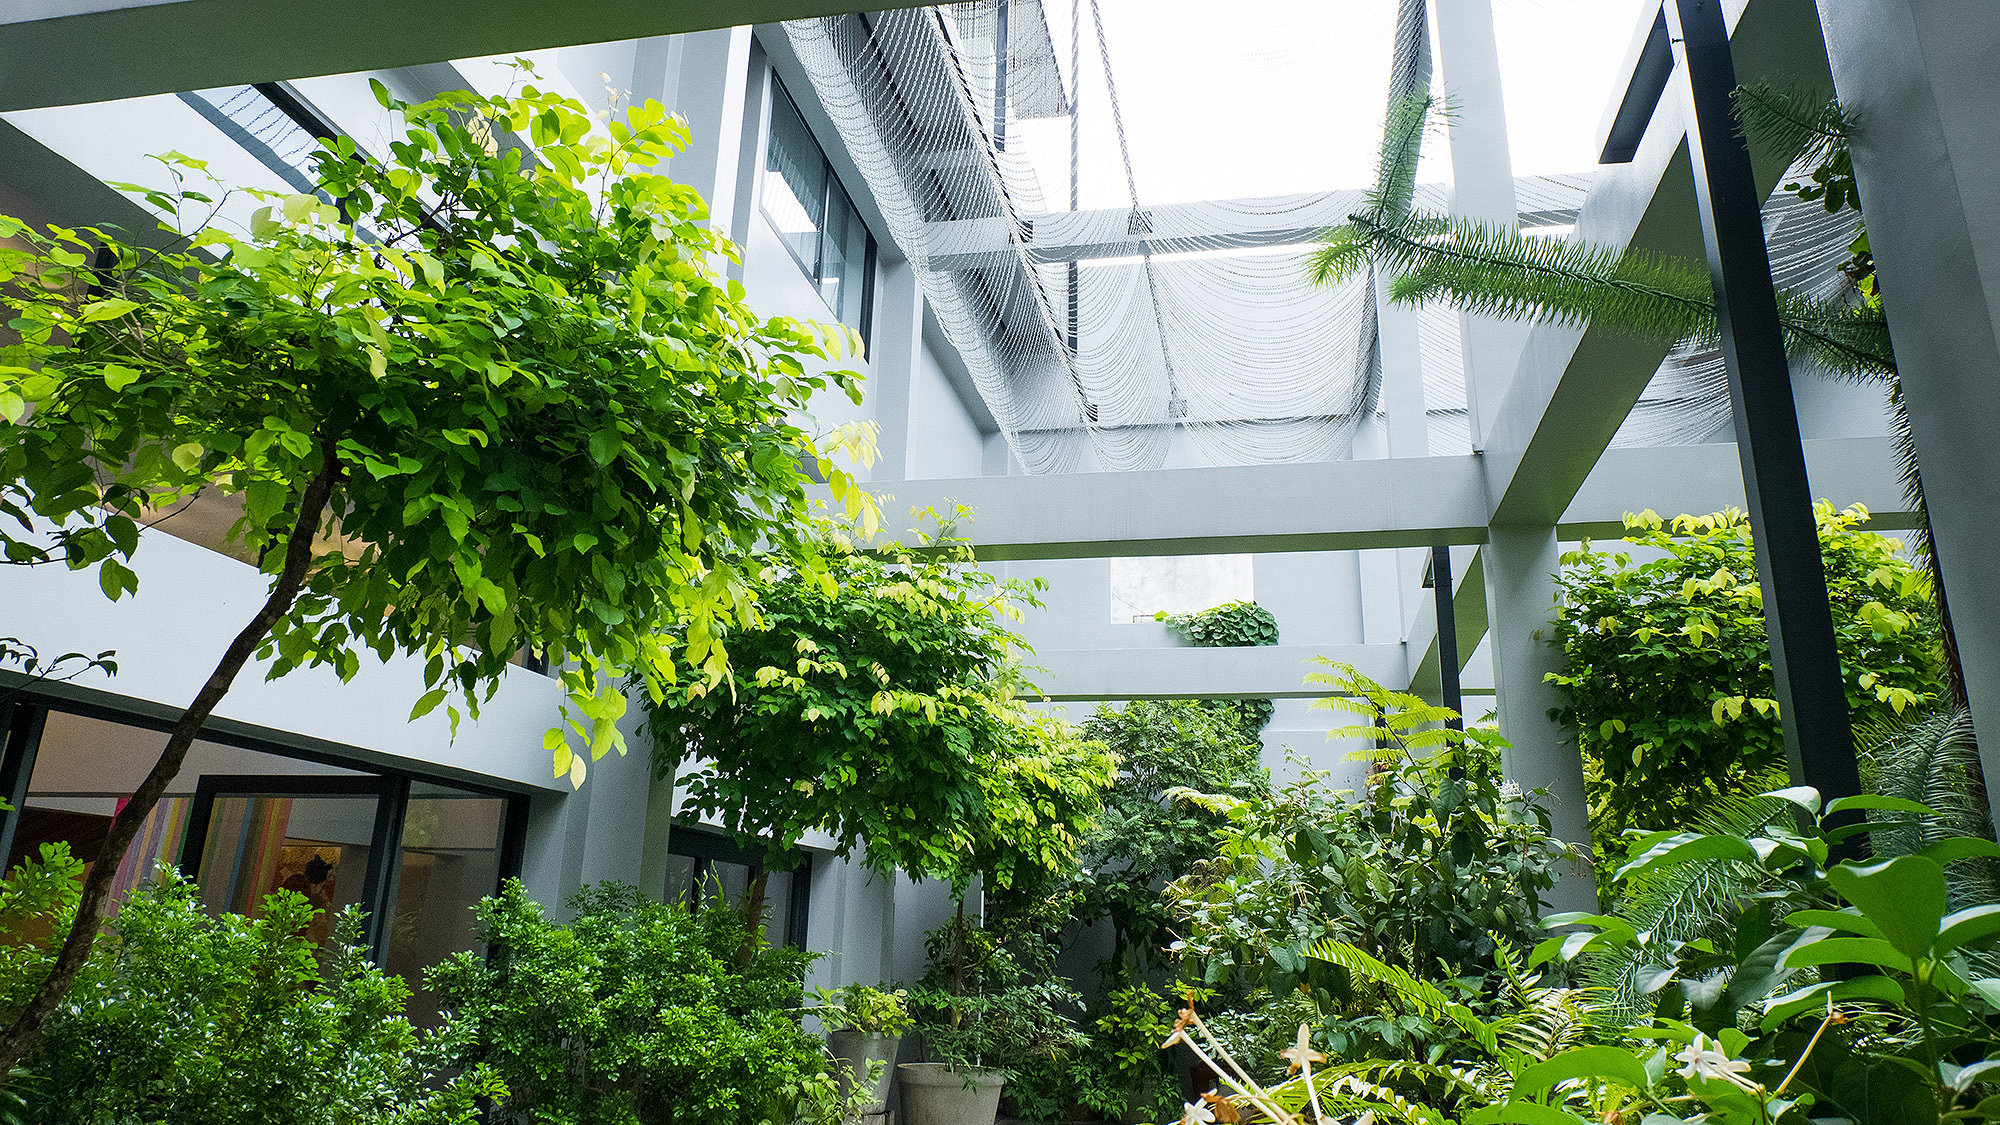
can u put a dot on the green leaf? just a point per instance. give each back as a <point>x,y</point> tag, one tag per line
<point>1612,1063</point>
<point>188,455</point>
<point>1689,847</point>
<point>1843,950</point>
<point>1904,896</point>
<point>1971,926</point>
<point>110,308</point>
<point>1521,1113</point>
<point>427,704</point>
<point>117,376</point>
<point>1954,848</point>
<point>1877,801</point>
<point>605,444</point>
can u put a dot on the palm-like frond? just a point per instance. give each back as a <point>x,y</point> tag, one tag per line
<point>1420,995</point>
<point>1689,900</point>
<point>1791,123</point>
<point>1934,760</point>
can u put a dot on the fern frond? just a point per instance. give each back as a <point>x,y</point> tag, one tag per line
<point>1934,760</point>
<point>1499,271</point>
<point>1554,1020</point>
<point>1347,1092</point>
<point>1791,123</point>
<point>1421,995</point>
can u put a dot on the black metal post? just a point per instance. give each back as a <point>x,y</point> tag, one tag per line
<point>1447,629</point>
<point>385,866</point>
<point>1812,699</point>
<point>20,737</point>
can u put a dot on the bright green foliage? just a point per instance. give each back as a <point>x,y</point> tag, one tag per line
<point>1668,683</point>
<point>227,1020</point>
<point>877,702</point>
<point>991,998</point>
<point>1231,625</point>
<point>1228,625</point>
<point>1143,839</point>
<point>549,420</point>
<point>1900,1035</point>
<point>857,1007</point>
<point>631,1013</point>
<point>1428,871</point>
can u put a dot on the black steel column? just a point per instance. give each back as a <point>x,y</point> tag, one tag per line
<point>20,737</point>
<point>1447,630</point>
<point>385,866</point>
<point>1812,698</point>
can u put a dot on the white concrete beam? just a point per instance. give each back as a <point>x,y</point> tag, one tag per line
<point>66,52</point>
<point>1288,220</point>
<point>1343,505</point>
<point>1269,671</point>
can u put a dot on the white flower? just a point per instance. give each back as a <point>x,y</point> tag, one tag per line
<point>1706,1059</point>
<point>1195,1113</point>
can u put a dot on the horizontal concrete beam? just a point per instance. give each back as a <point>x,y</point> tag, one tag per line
<point>1268,672</point>
<point>1698,479</point>
<point>1348,505</point>
<point>1288,220</point>
<point>65,52</point>
<point>1330,505</point>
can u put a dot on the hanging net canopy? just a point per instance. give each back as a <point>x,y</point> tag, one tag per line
<point>1107,322</point>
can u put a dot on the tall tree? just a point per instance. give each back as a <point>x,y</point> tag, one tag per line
<point>497,396</point>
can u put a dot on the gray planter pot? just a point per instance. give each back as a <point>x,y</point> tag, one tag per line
<point>935,1094</point>
<point>860,1050</point>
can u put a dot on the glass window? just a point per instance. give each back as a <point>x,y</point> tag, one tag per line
<point>450,860</point>
<point>816,218</point>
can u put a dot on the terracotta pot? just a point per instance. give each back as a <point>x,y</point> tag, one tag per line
<point>935,1094</point>
<point>859,1050</point>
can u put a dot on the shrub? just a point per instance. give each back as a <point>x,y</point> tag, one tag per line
<point>631,1013</point>
<point>225,1020</point>
<point>1432,867</point>
<point>1669,679</point>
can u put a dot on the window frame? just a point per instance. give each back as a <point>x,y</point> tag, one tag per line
<point>829,182</point>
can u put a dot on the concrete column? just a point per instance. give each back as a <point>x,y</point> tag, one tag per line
<point>896,346</point>
<point>1917,78</point>
<point>1482,176</point>
<point>705,76</point>
<point>853,919</point>
<point>1520,565</point>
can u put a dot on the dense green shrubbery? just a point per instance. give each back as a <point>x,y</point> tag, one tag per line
<point>631,1013</point>
<point>1143,840</point>
<point>1668,682</point>
<point>226,1020</point>
<point>1431,867</point>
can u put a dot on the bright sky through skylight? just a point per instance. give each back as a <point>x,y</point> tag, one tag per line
<point>1267,97</point>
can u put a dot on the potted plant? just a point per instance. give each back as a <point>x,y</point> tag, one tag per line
<point>865,1027</point>
<point>979,1014</point>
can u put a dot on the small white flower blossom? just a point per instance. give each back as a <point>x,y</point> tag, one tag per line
<point>1704,1058</point>
<point>1195,1113</point>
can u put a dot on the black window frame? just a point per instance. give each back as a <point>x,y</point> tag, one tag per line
<point>707,847</point>
<point>829,182</point>
<point>23,718</point>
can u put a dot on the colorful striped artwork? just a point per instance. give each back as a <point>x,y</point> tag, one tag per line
<point>159,840</point>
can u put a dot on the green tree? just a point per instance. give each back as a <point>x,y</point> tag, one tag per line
<point>1144,839</point>
<point>1433,867</point>
<point>509,379</point>
<point>1231,625</point>
<point>879,702</point>
<point>1668,683</point>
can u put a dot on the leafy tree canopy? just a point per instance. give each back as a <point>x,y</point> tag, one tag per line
<point>878,702</point>
<point>543,417</point>
<point>1669,678</point>
<point>1143,838</point>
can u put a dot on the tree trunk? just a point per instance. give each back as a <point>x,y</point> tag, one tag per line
<point>27,1029</point>
<point>753,916</point>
